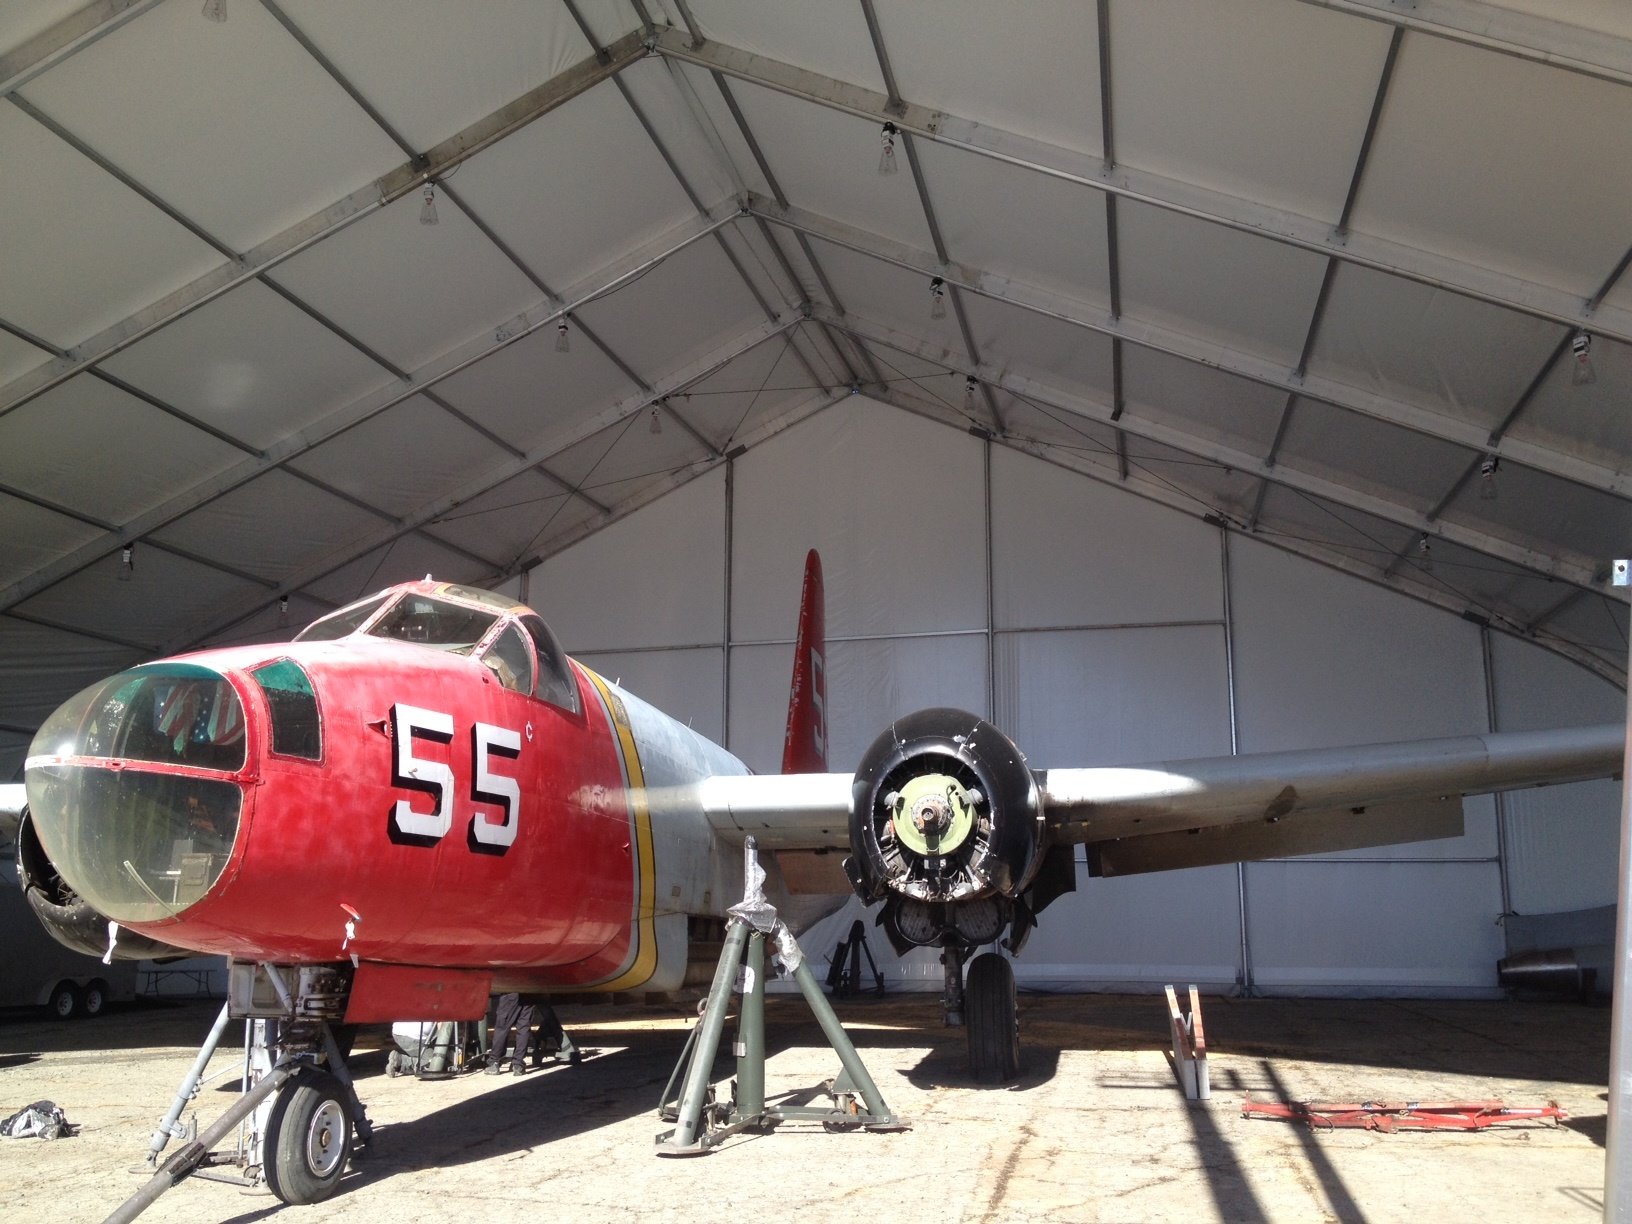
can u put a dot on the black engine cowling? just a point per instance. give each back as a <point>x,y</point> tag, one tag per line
<point>946,824</point>
<point>65,916</point>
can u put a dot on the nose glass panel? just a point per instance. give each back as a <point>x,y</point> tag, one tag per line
<point>138,845</point>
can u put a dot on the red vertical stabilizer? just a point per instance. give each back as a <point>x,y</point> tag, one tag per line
<point>805,748</point>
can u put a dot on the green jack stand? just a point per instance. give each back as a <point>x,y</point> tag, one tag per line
<point>701,1120</point>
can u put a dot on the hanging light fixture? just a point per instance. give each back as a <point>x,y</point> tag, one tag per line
<point>656,426</point>
<point>127,562</point>
<point>1425,556</point>
<point>1582,373</point>
<point>937,298</point>
<point>886,156</point>
<point>969,385</point>
<point>427,210</point>
<point>1487,477</point>
<point>215,10</point>
<point>283,611</point>
<point>563,339</point>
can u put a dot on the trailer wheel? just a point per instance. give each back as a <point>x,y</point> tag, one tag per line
<point>992,1016</point>
<point>64,1002</point>
<point>307,1140</point>
<point>95,998</point>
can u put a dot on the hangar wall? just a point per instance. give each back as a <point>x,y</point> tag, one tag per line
<point>1097,627</point>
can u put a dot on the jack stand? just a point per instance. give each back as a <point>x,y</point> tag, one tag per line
<point>702,1121</point>
<point>844,975</point>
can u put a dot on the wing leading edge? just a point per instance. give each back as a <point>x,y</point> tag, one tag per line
<point>1269,805</point>
<point>1172,814</point>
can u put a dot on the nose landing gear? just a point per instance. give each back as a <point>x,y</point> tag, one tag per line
<point>304,1118</point>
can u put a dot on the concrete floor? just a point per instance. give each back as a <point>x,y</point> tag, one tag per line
<point>1096,1129</point>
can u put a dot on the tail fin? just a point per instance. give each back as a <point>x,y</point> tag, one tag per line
<point>805,748</point>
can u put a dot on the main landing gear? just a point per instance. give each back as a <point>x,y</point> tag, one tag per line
<point>302,1115</point>
<point>987,1007</point>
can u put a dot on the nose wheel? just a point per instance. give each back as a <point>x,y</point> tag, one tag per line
<point>307,1139</point>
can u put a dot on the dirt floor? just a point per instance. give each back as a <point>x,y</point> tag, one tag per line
<point>1096,1129</point>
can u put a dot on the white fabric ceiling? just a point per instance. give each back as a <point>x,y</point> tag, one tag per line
<point>1297,265</point>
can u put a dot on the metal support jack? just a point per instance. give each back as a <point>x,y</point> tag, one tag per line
<point>702,1120</point>
<point>844,974</point>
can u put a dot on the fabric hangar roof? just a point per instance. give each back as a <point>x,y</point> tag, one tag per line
<point>1318,270</point>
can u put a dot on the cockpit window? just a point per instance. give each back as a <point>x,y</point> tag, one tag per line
<point>346,621</point>
<point>488,599</point>
<point>170,713</point>
<point>288,691</point>
<point>434,622</point>
<point>555,681</point>
<point>140,843</point>
<point>510,658</point>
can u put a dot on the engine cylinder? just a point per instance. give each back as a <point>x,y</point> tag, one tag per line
<point>944,809</point>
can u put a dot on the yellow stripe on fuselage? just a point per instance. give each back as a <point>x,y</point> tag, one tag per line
<point>642,961</point>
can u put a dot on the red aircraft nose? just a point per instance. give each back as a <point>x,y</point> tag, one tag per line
<point>137,788</point>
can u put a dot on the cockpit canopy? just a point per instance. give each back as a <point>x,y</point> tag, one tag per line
<point>510,639</point>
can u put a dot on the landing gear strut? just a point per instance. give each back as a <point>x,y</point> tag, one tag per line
<point>301,1108</point>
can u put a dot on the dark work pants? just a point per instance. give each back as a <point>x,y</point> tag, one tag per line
<point>513,1012</point>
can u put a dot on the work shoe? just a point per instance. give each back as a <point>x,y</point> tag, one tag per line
<point>568,1053</point>
<point>518,1069</point>
<point>493,1068</point>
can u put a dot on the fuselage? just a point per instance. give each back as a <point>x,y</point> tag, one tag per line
<point>478,805</point>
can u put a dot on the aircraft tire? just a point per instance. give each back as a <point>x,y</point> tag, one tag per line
<point>64,1001</point>
<point>307,1140</point>
<point>94,999</point>
<point>991,1014</point>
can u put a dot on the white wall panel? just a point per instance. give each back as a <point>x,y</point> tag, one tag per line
<point>1320,660</point>
<point>1069,551</point>
<point>1105,696</point>
<point>1563,842</point>
<point>1138,931</point>
<point>1385,928</point>
<point>1324,660</point>
<point>894,503</point>
<point>655,578</point>
<point>868,684</point>
<point>684,684</point>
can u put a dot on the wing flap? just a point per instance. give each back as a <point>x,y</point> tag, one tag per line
<point>1323,832</point>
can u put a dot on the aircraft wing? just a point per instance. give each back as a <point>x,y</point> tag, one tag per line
<point>1270,805</point>
<point>1172,814</point>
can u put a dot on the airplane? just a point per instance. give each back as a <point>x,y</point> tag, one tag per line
<point>422,800</point>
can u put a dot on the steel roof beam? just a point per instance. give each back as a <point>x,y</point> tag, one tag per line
<point>758,154</point>
<point>460,358</point>
<point>387,189</point>
<point>72,34</point>
<point>613,414</point>
<point>1172,195</point>
<point>1507,620</point>
<point>777,424</point>
<point>315,53</point>
<point>1564,567</point>
<point>1201,351</point>
<point>1319,313</point>
<point>1541,40</point>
